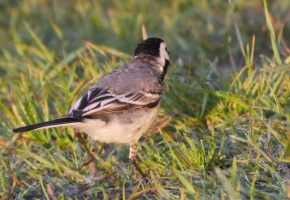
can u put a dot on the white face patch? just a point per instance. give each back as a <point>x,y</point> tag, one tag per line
<point>163,55</point>
<point>163,51</point>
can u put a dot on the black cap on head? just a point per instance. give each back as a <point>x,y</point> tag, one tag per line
<point>149,46</point>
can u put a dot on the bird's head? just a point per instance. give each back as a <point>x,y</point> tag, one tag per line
<point>155,48</point>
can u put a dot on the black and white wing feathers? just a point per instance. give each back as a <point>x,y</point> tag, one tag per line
<point>122,89</point>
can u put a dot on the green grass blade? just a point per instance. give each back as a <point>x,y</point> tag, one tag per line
<point>272,33</point>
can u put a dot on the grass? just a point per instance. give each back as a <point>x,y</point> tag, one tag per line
<point>219,135</point>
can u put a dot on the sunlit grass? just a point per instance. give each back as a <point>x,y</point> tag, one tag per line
<point>215,137</point>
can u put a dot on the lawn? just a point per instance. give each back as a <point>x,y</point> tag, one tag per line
<point>224,128</point>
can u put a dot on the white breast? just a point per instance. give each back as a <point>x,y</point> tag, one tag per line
<point>121,127</point>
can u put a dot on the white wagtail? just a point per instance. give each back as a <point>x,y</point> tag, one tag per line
<point>122,106</point>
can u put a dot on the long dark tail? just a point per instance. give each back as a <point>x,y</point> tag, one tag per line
<point>65,121</point>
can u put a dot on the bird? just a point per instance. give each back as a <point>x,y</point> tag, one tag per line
<point>122,105</point>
